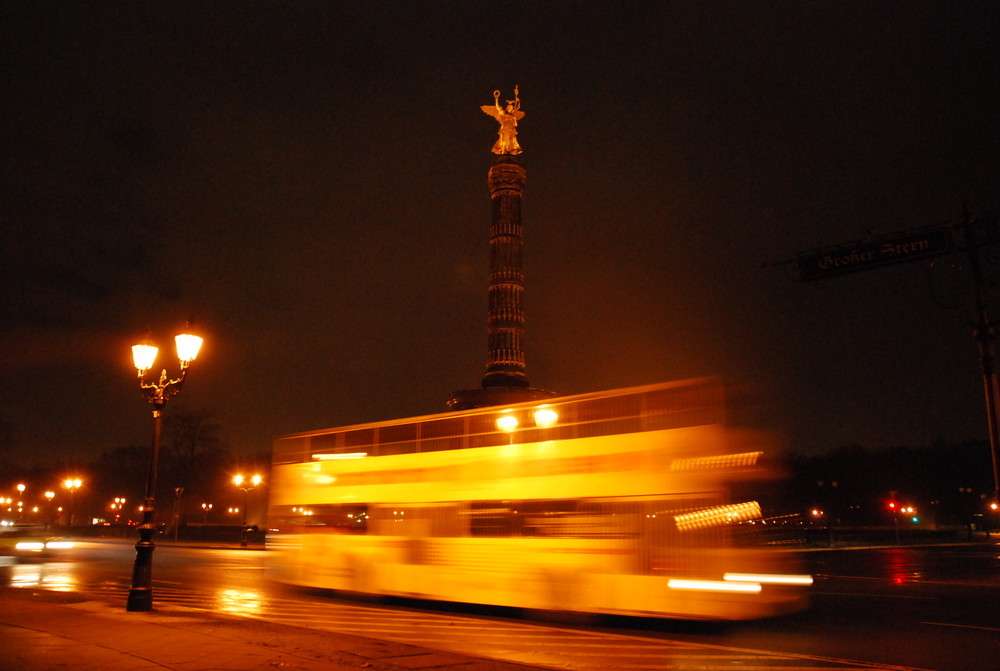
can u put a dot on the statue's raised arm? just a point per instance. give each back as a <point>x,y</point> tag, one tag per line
<point>507,117</point>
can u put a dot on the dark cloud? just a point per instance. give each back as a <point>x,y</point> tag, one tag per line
<point>309,181</point>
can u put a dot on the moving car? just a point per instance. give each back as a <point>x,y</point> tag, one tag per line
<point>29,541</point>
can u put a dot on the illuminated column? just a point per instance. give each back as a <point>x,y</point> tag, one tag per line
<point>505,380</point>
<point>505,321</point>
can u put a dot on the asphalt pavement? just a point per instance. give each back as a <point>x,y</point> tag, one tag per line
<point>42,630</point>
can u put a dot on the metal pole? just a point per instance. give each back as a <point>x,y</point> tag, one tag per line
<point>140,596</point>
<point>243,534</point>
<point>178,493</point>
<point>986,340</point>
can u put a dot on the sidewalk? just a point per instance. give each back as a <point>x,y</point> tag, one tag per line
<point>41,631</point>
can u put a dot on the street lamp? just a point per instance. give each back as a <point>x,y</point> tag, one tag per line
<point>20,500</point>
<point>140,596</point>
<point>49,495</point>
<point>72,484</point>
<point>246,486</point>
<point>118,505</point>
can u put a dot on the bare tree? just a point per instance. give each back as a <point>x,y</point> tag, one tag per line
<point>194,455</point>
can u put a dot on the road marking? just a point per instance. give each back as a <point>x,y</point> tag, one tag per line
<point>869,595</point>
<point>961,626</point>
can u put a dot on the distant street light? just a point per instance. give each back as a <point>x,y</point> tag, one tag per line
<point>48,507</point>
<point>246,486</point>
<point>140,596</point>
<point>72,484</point>
<point>118,505</point>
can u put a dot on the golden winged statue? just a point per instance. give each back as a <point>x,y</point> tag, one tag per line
<point>508,117</point>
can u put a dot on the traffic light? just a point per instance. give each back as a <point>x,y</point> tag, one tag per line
<point>892,506</point>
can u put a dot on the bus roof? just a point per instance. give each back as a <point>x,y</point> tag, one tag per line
<point>675,404</point>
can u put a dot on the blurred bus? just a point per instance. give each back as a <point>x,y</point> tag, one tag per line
<point>608,502</point>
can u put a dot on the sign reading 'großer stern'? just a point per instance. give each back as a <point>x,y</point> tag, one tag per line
<point>874,254</point>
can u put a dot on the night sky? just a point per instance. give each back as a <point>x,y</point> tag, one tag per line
<point>308,181</point>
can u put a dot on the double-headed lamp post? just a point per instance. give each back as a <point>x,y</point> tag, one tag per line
<point>246,486</point>
<point>72,484</point>
<point>140,596</point>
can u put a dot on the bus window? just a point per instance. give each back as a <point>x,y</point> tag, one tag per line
<point>338,518</point>
<point>442,434</point>
<point>578,519</point>
<point>359,438</point>
<point>491,518</point>
<point>416,521</point>
<point>397,439</point>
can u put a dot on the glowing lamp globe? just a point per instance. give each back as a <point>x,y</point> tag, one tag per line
<point>143,356</point>
<point>187,347</point>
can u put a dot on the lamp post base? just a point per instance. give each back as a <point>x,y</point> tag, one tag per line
<point>140,596</point>
<point>140,600</point>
